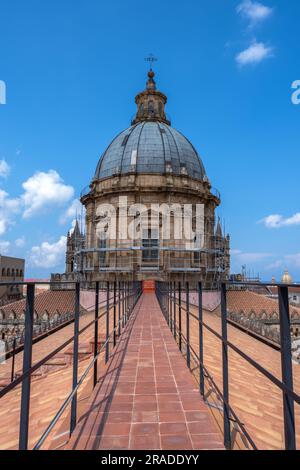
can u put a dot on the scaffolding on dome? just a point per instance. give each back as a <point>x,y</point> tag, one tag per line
<point>152,258</point>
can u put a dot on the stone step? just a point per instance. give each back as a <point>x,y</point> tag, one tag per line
<point>84,350</point>
<point>58,360</point>
<point>101,342</point>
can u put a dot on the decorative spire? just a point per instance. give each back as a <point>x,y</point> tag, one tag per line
<point>219,228</point>
<point>151,103</point>
<point>151,85</point>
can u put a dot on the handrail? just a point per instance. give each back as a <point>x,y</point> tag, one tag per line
<point>40,363</point>
<point>251,361</point>
<point>170,300</point>
<point>124,296</point>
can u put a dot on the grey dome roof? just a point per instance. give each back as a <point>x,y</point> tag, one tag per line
<point>150,147</point>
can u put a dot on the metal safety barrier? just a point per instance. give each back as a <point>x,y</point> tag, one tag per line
<point>170,297</point>
<point>121,298</point>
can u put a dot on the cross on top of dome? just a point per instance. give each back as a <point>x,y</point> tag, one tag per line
<point>151,102</point>
<point>150,58</point>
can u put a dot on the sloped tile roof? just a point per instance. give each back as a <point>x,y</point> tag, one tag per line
<point>249,302</point>
<point>47,301</point>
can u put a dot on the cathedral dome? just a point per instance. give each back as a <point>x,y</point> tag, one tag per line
<point>150,147</point>
<point>286,278</point>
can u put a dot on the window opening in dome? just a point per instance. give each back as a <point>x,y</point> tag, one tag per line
<point>150,247</point>
<point>151,107</point>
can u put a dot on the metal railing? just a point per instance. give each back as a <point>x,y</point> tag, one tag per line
<point>14,344</point>
<point>170,297</point>
<point>121,298</point>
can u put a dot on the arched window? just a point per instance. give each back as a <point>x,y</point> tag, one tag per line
<point>8,272</point>
<point>17,272</point>
<point>150,246</point>
<point>21,272</point>
<point>3,272</point>
<point>13,272</point>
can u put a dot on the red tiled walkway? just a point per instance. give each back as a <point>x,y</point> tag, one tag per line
<point>147,398</point>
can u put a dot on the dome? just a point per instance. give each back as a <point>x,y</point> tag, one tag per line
<point>150,147</point>
<point>286,278</point>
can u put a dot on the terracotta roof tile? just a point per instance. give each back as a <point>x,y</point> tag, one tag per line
<point>249,302</point>
<point>47,301</point>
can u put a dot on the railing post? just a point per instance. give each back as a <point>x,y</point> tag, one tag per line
<point>201,357</point>
<point>27,357</point>
<point>13,361</point>
<point>188,353</point>
<point>115,312</point>
<point>171,306</point>
<point>166,300</point>
<point>123,304</point>
<point>226,411</point>
<point>96,331</point>
<point>119,308</point>
<point>286,367</point>
<point>107,324</point>
<point>126,302</point>
<point>174,316</point>
<point>179,316</point>
<point>75,358</point>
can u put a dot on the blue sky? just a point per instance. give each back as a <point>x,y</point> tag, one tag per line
<point>72,69</point>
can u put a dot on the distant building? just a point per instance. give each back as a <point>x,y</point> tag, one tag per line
<point>11,270</point>
<point>75,243</point>
<point>294,291</point>
<point>286,278</point>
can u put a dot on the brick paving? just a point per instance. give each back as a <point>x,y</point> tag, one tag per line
<point>146,397</point>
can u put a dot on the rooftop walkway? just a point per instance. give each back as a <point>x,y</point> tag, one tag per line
<point>147,397</point>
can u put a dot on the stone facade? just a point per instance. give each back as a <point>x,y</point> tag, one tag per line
<point>173,260</point>
<point>11,270</point>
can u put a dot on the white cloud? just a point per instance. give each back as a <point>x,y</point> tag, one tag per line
<point>4,247</point>
<point>244,257</point>
<point>278,221</point>
<point>8,209</point>
<point>73,211</point>
<point>20,242</point>
<point>4,169</point>
<point>254,12</point>
<point>293,260</point>
<point>254,54</point>
<point>276,265</point>
<point>48,255</point>
<point>43,190</point>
